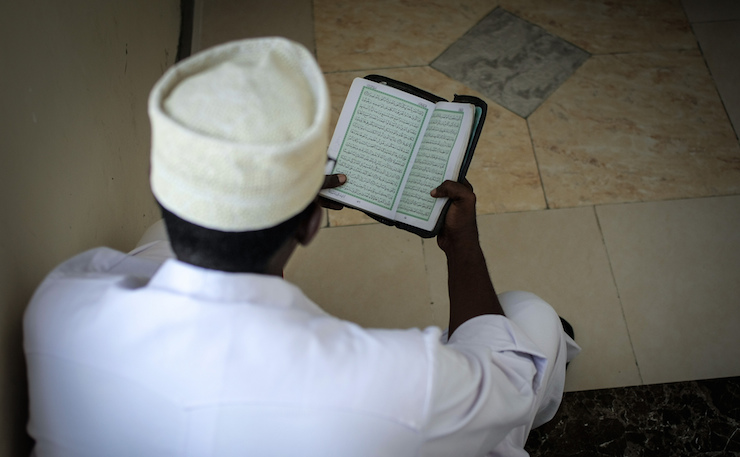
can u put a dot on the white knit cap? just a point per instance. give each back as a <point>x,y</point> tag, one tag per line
<point>239,134</point>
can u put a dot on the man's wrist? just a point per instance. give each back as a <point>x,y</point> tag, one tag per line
<point>462,243</point>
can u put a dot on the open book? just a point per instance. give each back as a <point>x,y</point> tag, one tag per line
<point>396,143</point>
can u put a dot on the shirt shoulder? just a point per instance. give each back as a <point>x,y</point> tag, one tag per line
<point>104,260</point>
<point>80,281</point>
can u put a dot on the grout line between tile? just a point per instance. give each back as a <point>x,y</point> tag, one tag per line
<point>375,68</point>
<point>648,51</point>
<point>711,21</point>
<point>537,163</point>
<point>452,43</point>
<point>716,88</point>
<point>619,297</point>
<point>632,202</point>
<point>545,30</point>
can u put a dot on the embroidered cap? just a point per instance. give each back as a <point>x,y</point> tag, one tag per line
<point>239,134</point>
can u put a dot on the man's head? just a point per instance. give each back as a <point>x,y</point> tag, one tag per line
<point>239,137</point>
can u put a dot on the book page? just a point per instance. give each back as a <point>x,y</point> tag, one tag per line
<point>382,133</point>
<point>439,158</point>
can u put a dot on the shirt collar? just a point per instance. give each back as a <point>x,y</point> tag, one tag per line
<point>219,286</point>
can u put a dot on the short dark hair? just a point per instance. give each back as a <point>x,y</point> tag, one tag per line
<point>248,251</point>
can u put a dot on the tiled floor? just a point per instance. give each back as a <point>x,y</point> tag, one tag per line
<point>617,199</point>
<point>691,419</point>
<point>524,67</point>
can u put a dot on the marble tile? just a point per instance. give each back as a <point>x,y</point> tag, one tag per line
<point>372,275</point>
<point>698,418</point>
<point>558,255</point>
<point>388,33</point>
<point>349,216</point>
<point>515,63</point>
<point>227,20</point>
<point>720,44</point>
<point>635,127</point>
<point>677,269</point>
<point>711,10</point>
<point>503,172</point>
<point>606,26</point>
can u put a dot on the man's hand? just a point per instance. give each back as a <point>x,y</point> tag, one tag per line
<point>330,182</point>
<point>471,291</point>
<point>460,228</point>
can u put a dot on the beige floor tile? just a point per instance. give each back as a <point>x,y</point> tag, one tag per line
<point>227,20</point>
<point>388,33</point>
<point>560,256</point>
<point>349,216</point>
<point>605,27</point>
<point>635,127</point>
<point>372,275</point>
<point>677,267</point>
<point>503,172</point>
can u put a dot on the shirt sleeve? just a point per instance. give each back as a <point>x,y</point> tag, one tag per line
<point>484,384</point>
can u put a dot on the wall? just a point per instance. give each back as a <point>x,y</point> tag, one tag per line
<point>219,21</point>
<point>74,139</point>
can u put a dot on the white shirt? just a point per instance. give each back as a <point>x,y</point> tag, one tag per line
<point>129,358</point>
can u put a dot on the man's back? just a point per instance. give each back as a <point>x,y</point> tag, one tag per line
<point>199,362</point>
<point>208,363</point>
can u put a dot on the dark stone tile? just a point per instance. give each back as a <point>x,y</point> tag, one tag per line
<point>711,10</point>
<point>697,418</point>
<point>720,44</point>
<point>513,62</point>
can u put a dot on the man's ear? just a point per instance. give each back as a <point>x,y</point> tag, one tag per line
<point>310,226</point>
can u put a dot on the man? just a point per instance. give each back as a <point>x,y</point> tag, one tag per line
<point>215,354</point>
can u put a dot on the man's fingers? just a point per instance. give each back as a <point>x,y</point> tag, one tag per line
<point>459,223</point>
<point>331,204</point>
<point>453,190</point>
<point>332,181</point>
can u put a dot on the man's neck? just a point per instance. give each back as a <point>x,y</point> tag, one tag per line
<point>273,267</point>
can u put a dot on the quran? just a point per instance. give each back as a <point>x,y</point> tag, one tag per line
<point>395,143</point>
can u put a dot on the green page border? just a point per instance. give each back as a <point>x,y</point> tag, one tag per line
<point>446,167</point>
<point>349,126</point>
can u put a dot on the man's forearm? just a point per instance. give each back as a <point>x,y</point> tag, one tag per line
<point>471,290</point>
